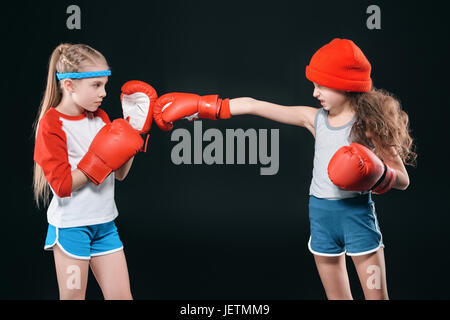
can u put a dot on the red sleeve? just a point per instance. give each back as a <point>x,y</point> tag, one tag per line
<point>103,115</point>
<point>50,152</point>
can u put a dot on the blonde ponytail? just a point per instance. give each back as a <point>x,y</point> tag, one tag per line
<point>65,57</point>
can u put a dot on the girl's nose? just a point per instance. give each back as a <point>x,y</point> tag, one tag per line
<point>315,93</point>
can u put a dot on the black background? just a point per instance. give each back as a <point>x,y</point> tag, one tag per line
<point>224,231</point>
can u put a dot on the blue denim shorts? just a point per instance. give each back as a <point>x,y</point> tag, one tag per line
<point>344,226</point>
<point>86,241</point>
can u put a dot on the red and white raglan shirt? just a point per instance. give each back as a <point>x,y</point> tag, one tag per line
<point>61,142</point>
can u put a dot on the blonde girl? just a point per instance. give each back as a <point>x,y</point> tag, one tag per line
<point>81,231</point>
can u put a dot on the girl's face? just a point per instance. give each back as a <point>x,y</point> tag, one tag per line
<point>329,98</point>
<point>89,93</point>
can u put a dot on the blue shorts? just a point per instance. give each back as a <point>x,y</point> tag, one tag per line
<point>343,226</point>
<point>85,242</point>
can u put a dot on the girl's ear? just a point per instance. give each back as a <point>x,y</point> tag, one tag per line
<point>69,85</point>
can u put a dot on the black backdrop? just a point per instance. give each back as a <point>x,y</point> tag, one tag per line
<point>225,231</point>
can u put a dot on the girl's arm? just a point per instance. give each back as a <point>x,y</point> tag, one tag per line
<point>402,175</point>
<point>395,162</point>
<point>79,179</point>
<point>300,116</point>
<point>122,172</point>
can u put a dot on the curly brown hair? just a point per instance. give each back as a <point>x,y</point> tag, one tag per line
<point>381,122</point>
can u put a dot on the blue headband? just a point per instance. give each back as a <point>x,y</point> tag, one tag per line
<point>82,75</point>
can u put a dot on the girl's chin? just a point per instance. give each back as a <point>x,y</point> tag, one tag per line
<point>91,109</point>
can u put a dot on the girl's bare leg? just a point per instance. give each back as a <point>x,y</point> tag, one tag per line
<point>333,273</point>
<point>72,275</point>
<point>372,274</point>
<point>111,272</point>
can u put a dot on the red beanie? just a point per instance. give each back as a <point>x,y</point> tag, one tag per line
<point>340,65</point>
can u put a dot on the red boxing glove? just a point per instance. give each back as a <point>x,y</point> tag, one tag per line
<point>138,99</point>
<point>174,106</point>
<point>356,168</point>
<point>113,145</point>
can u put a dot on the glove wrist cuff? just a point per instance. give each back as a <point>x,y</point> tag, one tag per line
<point>387,180</point>
<point>94,168</point>
<point>224,112</point>
<point>208,107</point>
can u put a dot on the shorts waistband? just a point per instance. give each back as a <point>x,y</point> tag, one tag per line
<point>361,200</point>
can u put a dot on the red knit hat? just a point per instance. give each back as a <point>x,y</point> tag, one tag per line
<point>340,65</point>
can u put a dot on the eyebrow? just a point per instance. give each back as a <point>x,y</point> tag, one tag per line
<point>101,81</point>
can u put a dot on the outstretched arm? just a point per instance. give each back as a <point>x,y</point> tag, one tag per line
<point>178,105</point>
<point>296,115</point>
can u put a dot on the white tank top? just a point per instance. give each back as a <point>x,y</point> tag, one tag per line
<point>328,140</point>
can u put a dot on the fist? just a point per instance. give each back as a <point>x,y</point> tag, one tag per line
<point>356,168</point>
